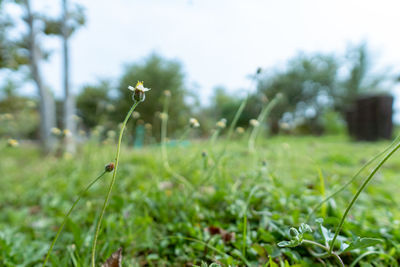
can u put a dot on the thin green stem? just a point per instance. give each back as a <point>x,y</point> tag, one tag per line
<point>111,184</point>
<point>215,136</point>
<point>261,117</point>
<point>236,118</point>
<point>164,154</point>
<point>67,215</point>
<point>352,179</point>
<point>185,134</point>
<point>355,197</point>
<point>305,241</point>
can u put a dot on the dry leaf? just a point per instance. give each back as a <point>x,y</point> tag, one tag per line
<point>114,260</point>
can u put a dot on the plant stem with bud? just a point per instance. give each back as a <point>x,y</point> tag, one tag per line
<point>67,215</point>
<point>111,183</point>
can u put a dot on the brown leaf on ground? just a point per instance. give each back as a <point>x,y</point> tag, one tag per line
<point>225,235</point>
<point>114,260</point>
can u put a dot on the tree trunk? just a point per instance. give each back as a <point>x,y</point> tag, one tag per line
<point>69,101</point>
<point>47,104</point>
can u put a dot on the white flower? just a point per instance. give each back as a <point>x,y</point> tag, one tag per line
<point>194,123</point>
<point>138,92</point>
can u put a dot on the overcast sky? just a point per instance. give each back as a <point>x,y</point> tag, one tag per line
<point>221,42</point>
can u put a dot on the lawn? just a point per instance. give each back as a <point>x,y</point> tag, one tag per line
<point>217,204</point>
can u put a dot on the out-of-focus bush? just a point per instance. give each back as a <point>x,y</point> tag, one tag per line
<point>19,117</point>
<point>333,123</point>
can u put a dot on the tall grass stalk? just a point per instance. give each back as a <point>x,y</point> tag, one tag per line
<point>355,197</point>
<point>67,215</point>
<point>164,153</point>
<point>230,132</point>
<point>355,176</point>
<point>261,117</point>
<point>111,183</point>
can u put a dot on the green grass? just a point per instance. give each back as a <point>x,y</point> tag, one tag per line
<point>251,199</point>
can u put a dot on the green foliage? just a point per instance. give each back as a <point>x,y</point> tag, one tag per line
<point>95,106</point>
<point>19,117</point>
<point>158,221</point>
<point>306,84</point>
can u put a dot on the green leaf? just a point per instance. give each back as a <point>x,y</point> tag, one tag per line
<point>304,228</point>
<point>289,244</point>
<point>272,263</point>
<point>326,233</point>
<point>361,243</point>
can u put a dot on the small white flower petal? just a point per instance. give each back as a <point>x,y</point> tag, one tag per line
<point>131,88</point>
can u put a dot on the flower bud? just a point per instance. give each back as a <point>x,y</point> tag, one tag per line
<point>221,124</point>
<point>138,96</point>
<point>138,92</point>
<point>240,130</point>
<point>254,123</point>
<point>109,167</point>
<point>293,232</point>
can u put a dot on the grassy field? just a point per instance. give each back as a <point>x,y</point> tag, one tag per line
<point>233,209</point>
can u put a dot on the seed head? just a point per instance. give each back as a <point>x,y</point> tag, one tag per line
<point>110,108</point>
<point>221,124</point>
<point>109,167</point>
<point>163,116</point>
<point>167,93</point>
<point>254,123</point>
<point>55,131</point>
<point>135,115</point>
<point>240,130</point>
<point>138,92</point>
<point>194,123</point>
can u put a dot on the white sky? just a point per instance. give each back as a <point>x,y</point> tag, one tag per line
<point>221,42</point>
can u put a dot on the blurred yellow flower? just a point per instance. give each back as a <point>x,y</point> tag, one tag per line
<point>55,131</point>
<point>12,142</point>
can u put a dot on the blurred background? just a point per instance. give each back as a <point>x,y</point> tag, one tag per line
<point>65,67</point>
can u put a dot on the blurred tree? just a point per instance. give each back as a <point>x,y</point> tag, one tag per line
<point>94,105</point>
<point>225,105</point>
<point>306,84</point>
<point>160,75</point>
<point>361,78</point>
<point>19,117</point>
<point>28,49</point>
<point>65,26</point>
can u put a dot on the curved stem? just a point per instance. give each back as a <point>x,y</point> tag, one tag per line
<point>359,192</point>
<point>324,248</point>
<point>67,215</point>
<point>236,118</point>
<point>111,183</point>
<point>264,112</point>
<point>215,136</point>
<point>351,180</point>
<point>164,154</point>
